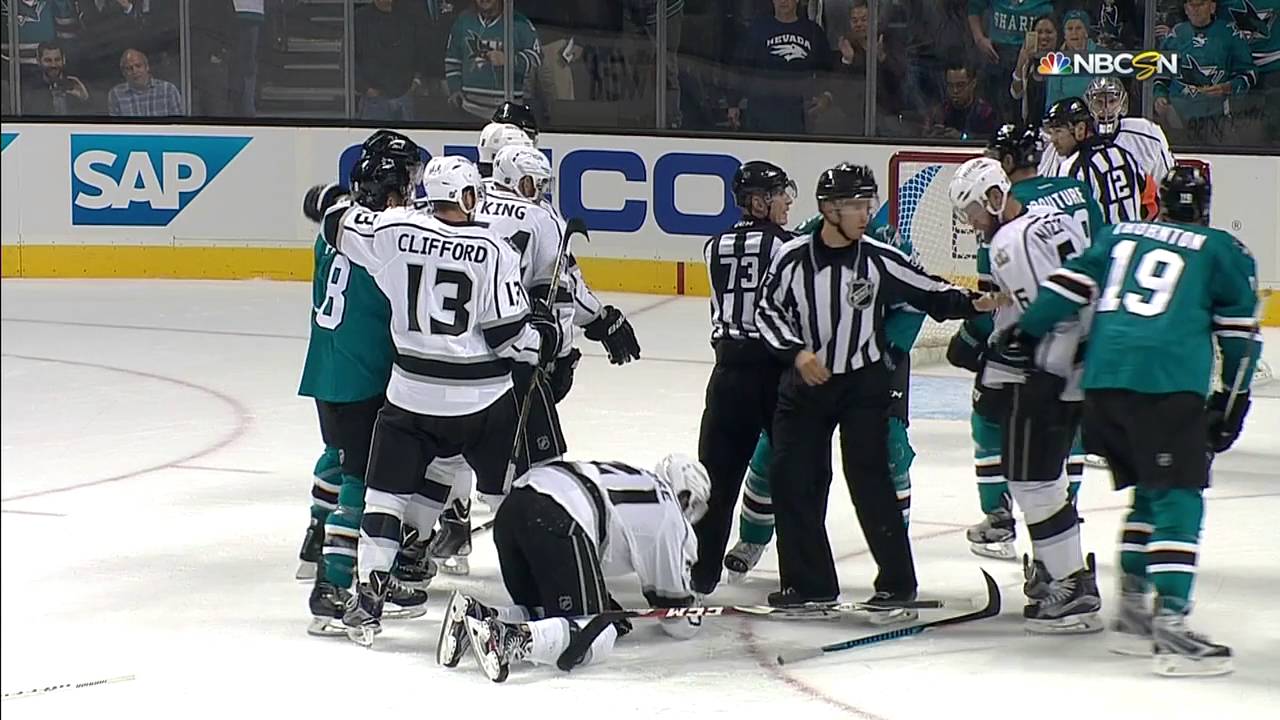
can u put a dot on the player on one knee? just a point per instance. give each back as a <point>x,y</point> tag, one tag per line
<point>1019,149</point>
<point>1038,404</point>
<point>1176,283</point>
<point>563,529</point>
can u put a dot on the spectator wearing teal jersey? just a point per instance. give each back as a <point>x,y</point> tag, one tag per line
<point>475,61</point>
<point>1075,32</point>
<point>999,39</point>
<point>1254,21</point>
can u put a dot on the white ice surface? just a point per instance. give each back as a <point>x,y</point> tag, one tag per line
<point>169,410</point>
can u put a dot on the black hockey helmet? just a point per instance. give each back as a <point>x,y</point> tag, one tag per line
<point>1022,143</point>
<point>520,115</point>
<point>846,180</point>
<point>1184,195</point>
<point>375,178</point>
<point>759,177</point>
<point>1067,112</point>
<point>387,144</point>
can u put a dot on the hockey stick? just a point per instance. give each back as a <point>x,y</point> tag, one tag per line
<point>574,226</point>
<point>814,612</point>
<point>991,610</point>
<point>65,686</point>
<point>482,527</point>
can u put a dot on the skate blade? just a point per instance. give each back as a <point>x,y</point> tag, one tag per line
<point>1096,461</point>
<point>1080,624</point>
<point>1128,644</point>
<point>735,578</point>
<point>403,613</point>
<point>451,646</point>
<point>306,571</point>
<point>326,627</point>
<point>458,565</point>
<point>892,617</point>
<point>1169,665</point>
<point>995,551</point>
<point>363,635</point>
<point>491,665</point>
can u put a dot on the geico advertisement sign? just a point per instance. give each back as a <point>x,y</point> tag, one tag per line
<point>143,180</point>
<point>650,189</point>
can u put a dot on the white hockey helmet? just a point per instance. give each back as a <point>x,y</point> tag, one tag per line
<point>496,136</point>
<point>690,482</point>
<point>516,162</point>
<point>972,181</point>
<point>447,178</point>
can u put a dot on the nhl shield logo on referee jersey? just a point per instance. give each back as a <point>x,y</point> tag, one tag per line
<point>861,293</point>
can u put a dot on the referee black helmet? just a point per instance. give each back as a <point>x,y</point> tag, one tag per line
<point>520,115</point>
<point>1021,145</point>
<point>758,177</point>
<point>846,180</point>
<point>1184,195</point>
<point>1067,112</point>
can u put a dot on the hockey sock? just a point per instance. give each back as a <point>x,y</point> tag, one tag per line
<point>1075,468</point>
<point>1136,534</point>
<point>755,522</point>
<point>1175,540</point>
<point>326,483</point>
<point>1052,524</point>
<point>901,455</point>
<point>380,531</point>
<point>993,489</point>
<point>569,643</point>
<point>342,533</point>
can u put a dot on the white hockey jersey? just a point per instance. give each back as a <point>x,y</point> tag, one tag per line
<point>458,310</point>
<point>1112,174</point>
<point>633,517</point>
<point>1145,140</point>
<point>1023,253</point>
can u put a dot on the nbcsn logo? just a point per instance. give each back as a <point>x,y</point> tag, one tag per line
<point>1141,66</point>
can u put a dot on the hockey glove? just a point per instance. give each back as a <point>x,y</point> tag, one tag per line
<point>990,403</point>
<point>1226,423</point>
<point>562,374</point>
<point>543,319</point>
<point>613,330</point>
<point>965,351</point>
<point>894,356</point>
<point>319,199</point>
<point>1013,349</point>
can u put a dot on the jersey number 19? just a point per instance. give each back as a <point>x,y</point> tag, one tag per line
<point>1158,272</point>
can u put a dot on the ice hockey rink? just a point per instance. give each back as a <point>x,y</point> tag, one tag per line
<point>156,466</point>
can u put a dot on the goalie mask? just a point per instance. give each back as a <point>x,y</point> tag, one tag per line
<point>688,479</point>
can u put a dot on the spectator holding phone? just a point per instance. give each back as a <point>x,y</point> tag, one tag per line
<point>999,30</point>
<point>53,92</point>
<point>1028,85</point>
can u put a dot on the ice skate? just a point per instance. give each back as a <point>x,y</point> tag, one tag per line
<point>328,604</point>
<point>1070,607</point>
<point>742,559</point>
<point>403,602</point>
<point>363,618</point>
<point>1179,652</point>
<point>414,566</point>
<point>452,542</point>
<point>1095,461</point>
<point>497,644</point>
<point>792,599</point>
<point>994,536</point>
<point>312,547</point>
<point>891,615</point>
<point>1036,580</point>
<point>454,639</point>
<point>1131,627</point>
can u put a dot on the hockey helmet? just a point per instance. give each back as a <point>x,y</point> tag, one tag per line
<point>973,180</point>
<point>516,162</point>
<point>689,480</point>
<point>520,115</point>
<point>448,178</point>
<point>1108,102</point>
<point>1022,143</point>
<point>1185,194</point>
<point>1067,112</point>
<point>375,178</point>
<point>760,177</point>
<point>847,180</point>
<point>496,136</point>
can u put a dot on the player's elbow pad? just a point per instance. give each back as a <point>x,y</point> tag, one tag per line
<point>682,628</point>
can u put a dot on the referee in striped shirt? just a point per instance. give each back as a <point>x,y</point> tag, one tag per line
<point>1108,170</point>
<point>743,387</point>
<point>822,310</point>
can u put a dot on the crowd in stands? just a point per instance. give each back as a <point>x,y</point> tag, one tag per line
<point>950,69</point>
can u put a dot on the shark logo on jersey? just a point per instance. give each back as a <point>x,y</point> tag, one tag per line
<point>1194,76</point>
<point>1249,23</point>
<point>789,46</point>
<point>143,180</point>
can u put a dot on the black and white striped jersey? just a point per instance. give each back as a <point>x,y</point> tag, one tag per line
<point>633,518</point>
<point>1112,174</point>
<point>458,310</point>
<point>737,261</point>
<point>833,302</point>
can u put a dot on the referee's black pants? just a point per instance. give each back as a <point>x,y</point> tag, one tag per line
<point>741,395</point>
<point>858,403</point>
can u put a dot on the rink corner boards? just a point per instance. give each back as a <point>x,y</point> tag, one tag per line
<point>178,262</point>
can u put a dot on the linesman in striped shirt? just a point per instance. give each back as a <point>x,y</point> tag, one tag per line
<point>822,310</point>
<point>743,387</point>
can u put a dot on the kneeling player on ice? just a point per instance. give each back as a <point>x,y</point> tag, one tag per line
<point>1038,406</point>
<point>565,527</point>
<point>1173,284</point>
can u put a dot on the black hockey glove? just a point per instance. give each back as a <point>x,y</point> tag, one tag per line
<point>562,374</point>
<point>613,330</point>
<point>319,199</point>
<point>543,319</point>
<point>965,351</point>
<point>1224,424</point>
<point>894,356</point>
<point>1013,349</point>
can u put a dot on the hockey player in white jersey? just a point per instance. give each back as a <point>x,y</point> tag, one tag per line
<point>563,529</point>
<point>1039,409</point>
<point>459,318</point>
<point>1108,102</point>
<point>1110,171</point>
<point>493,138</point>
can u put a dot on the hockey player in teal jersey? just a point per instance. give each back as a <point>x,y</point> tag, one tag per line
<point>755,521</point>
<point>1214,64</point>
<point>1170,284</point>
<point>1018,148</point>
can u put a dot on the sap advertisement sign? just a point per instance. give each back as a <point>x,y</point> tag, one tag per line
<point>645,191</point>
<point>143,180</point>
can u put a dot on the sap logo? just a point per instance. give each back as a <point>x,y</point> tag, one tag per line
<point>578,165</point>
<point>143,180</point>
<point>5,139</point>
